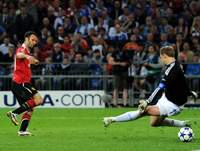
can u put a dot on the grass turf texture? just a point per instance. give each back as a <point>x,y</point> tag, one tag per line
<point>82,130</point>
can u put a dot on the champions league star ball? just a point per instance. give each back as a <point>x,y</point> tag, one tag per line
<point>185,134</point>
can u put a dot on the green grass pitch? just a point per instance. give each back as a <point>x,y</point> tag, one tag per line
<point>82,130</point>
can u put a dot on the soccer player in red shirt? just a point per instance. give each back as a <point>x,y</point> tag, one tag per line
<point>26,94</point>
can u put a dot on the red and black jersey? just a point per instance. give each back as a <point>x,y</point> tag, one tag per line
<point>22,71</point>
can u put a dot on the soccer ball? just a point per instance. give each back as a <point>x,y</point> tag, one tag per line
<point>185,134</point>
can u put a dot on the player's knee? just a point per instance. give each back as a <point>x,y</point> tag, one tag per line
<point>38,99</point>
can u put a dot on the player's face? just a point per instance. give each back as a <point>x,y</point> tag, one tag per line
<point>33,40</point>
<point>163,58</point>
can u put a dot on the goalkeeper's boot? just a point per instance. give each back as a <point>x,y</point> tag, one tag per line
<point>24,133</point>
<point>13,117</point>
<point>107,121</point>
<point>188,123</point>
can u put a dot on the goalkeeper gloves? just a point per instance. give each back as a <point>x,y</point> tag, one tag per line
<point>142,105</point>
<point>194,95</point>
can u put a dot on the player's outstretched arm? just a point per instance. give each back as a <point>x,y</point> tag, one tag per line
<point>194,95</point>
<point>32,59</point>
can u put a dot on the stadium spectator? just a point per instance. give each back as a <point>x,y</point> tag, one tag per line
<point>4,17</point>
<point>195,28</point>
<point>146,28</point>
<point>150,40</point>
<point>101,24</point>
<point>47,25</point>
<point>93,17</point>
<point>59,20</point>
<point>97,46</point>
<point>57,56</point>
<point>182,27</point>
<point>120,63</point>
<point>79,67</point>
<point>150,64</point>
<point>50,14</point>
<point>10,21</point>
<point>164,40</point>
<point>66,46</point>
<point>133,45</point>
<point>23,22</point>
<point>186,54</point>
<point>44,34</point>
<point>129,24</point>
<point>96,68</point>
<point>32,10</point>
<point>46,69</point>
<point>195,43</point>
<point>179,42</point>
<point>65,69</point>
<point>60,34</point>
<point>84,27</point>
<point>116,10</point>
<point>117,35</point>
<point>9,57</point>
<point>79,43</point>
<point>5,45</point>
<point>46,49</point>
<point>69,25</point>
<point>193,69</point>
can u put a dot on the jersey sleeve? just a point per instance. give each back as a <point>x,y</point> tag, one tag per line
<point>20,50</point>
<point>157,91</point>
<point>161,87</point>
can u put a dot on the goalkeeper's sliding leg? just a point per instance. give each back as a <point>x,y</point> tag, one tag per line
<point>157,113</point>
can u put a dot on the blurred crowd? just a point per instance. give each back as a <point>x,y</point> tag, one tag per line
<point>78,32</point>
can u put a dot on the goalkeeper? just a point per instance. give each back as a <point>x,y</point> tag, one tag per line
<point>174,93</point>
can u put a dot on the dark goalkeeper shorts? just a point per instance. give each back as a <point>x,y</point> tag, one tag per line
<point>23,92</point>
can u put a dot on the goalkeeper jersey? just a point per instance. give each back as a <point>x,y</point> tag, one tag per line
<point>173,84</point>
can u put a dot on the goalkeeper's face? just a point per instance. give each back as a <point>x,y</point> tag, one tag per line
<point>163,58</point>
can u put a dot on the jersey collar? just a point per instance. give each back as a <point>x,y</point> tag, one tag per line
<point>24,46</point>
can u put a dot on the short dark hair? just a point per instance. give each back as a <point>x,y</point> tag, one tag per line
<point>168,50</point>
<point>28,33</point>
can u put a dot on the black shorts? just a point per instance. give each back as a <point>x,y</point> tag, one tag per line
<point>121,82</point>
<point>23,92</point>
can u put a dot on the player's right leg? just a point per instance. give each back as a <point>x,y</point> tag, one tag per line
<point>13,118</point>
